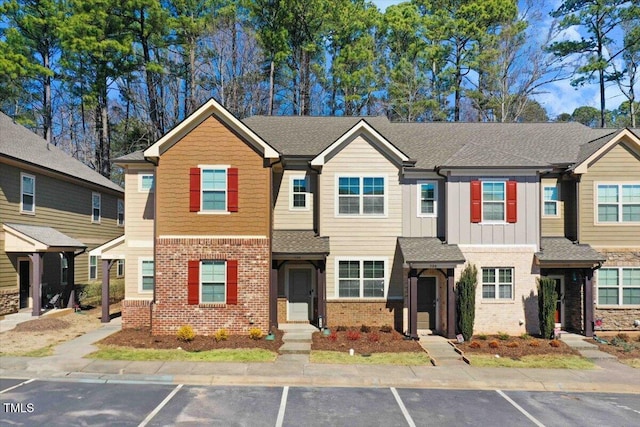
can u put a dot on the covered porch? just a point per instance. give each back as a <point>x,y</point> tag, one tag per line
<point>109,252</point>
<point>45,265</point>
<point>572,266</point>
<point>298,287</point>
<point>430,301</point>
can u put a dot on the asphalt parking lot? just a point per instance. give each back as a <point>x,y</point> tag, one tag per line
<point>100,403</point>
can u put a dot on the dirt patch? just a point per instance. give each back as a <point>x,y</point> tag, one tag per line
<point>515,347</point>
<point>364,342</point>
<point>142,338</point>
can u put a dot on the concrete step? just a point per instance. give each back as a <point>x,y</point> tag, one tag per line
<point>295,348</point>
<point>297,327</point>
<point>297,337</point>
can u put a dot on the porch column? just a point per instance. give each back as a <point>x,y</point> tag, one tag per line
<point>321,285</point>
<point>106,266</point>
<point>71,278</point>
<point>273,296</point>
<point>451,304</point>
<point>588,304</point>
<point>36,282</point>
<point>413,304</point>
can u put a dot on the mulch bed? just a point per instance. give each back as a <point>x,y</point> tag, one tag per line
<point>42,324</point>
<point>366,343</point>
<point>142,338</point>
<point>625,347</point>
<point>516,347</point>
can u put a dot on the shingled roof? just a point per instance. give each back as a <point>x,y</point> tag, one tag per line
<point>299,242</point>
<point>429,250</point>
<point>563,250</point>
<point>19,143</point>
<point>48,236</point>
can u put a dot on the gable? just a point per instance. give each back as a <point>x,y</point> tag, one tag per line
<point>623,141</point>
<point>621,160</point>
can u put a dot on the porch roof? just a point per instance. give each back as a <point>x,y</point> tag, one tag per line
<point>562,252</point>
<point>299,243</point>
<point>429,252</point>
<point>113,249</point>
<point>37,238</point>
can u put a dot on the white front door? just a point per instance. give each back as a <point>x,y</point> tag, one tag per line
<point>300,293</point>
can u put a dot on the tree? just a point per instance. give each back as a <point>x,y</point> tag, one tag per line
<point>547,300</point>
<point>631,61</point>
<point>466,300</point>
<point>588,116</point>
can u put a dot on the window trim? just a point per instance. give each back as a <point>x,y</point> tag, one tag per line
<point>620,287</point>
<point>556,202</point>
<point>226,210</point>
<point>120,203</point>
<point>141,262</point>
<point>419,213</point>
<point>120,268</point>
<point>504,201</point>
<point>292,192</point>
<point>141,176</point>
<point>95,276</point>
<point>200,283</point>
<point>596,207</point>
<point>22,193</point>
<point>93,220</point>
<point>361,176</point>
<point>496,284</point>
<point>64,268</point>
<point>361,279</point>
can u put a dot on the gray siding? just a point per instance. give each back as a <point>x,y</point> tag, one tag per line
<point>419,226</point>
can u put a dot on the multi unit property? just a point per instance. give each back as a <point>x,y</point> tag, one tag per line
<point>239,224</point>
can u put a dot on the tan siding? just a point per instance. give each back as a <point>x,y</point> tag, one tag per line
<point>552,226</point>
<point>138,208</point>
<point>132,273</point>
<point>211,143</point>
<point>285,218</point>
<point>418,226</point>
<point>619,165</point>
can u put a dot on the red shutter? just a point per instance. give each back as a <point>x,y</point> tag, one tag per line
<point>232,281</point>
<point>232,189</point>
<point>476,201</point>
<point>193,282</point>
<point>194,189</point>
<point>512,201</point>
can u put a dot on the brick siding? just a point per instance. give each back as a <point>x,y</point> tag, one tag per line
<point>136,314</point>
<point>618,318</point>
<point>370,313</point>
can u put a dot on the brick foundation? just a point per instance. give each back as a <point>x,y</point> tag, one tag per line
<point>136,314</point>
<point>171,309</point>
<point>9,301</point>
<point>357,313</point>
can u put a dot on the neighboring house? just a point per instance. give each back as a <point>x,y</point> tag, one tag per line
<point>350,221</point>
<point>52,209</point>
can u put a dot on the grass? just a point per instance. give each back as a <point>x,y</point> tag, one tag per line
<point>39,352</point>
<point>222,355</point>
<point>339,357</point>
<point>634,363</point>
<point>531,361</point>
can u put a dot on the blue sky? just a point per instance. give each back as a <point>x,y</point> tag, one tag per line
<point>559,97</point>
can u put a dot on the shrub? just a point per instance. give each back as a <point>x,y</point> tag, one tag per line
<point>186,333</point>
<point>373,337</point>
<point>475,344</point>
<point>534,344</point>
<point>503,336</point>
<point>623,337</point>
<point>525,336</point>
<point>494,344</point>
<point>255,333</point>
<point>91,293</point>
<point>513,344</point>
<point>466,300</point>
<point>353,335</point>
<point>333,336</point>
<point>365,329</point>
<point>482,337</point>
<point>386,329</point>
<point>554,343</point>
<point>547,298</point>
<point>341,328</point>
<point>221,335</point>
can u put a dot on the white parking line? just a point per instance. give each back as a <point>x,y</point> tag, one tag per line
<point>283,406</point>
<point>17,385</point>
<point>403,408</point>
<point>520,408</point>
<point>160,406</point>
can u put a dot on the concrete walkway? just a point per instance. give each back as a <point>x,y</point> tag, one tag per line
<point>68,363</point>
<point>440,350</point>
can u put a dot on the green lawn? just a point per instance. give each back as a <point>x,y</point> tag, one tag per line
<point>222,355</point>
<point>532,361</point>
<point>406,359</point>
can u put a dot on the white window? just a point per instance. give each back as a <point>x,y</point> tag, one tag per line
<point>28,193</point>
<point>427,199</point>
<point>120,268</point>
<point>619,286</point>
<point>214,190</point>
<point>550,201</point>
<point>147,278</point>
<point>213,281</point>
<point>493,201</point>
<point>120,212</point>
<point>95,207</point>
<point>361,195</point>
<point>146,182</point>
<point>298,193</point>
<point>497,283</point>
<point>361,278</point>
<point>93,267</point>
<point>618,203</point>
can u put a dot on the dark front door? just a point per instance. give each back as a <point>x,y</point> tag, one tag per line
<point>426,303</point>
<point>25,283</point>
<point>559,317</point>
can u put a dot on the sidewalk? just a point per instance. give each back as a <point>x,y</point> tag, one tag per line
<point>67,362</point>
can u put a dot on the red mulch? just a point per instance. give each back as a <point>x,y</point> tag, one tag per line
<point>142,338</point>
<point>366,343</point>
<point>515,347</point>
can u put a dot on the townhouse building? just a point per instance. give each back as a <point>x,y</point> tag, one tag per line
<point>350,221</point>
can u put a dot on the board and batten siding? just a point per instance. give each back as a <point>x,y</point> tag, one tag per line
<point>360,236</point>
<point>552,226</point>
<point>460,229</point>
<point>414,225</point>
<point>212,143</point>
<point>284,217</point>
<point>618,166</point>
